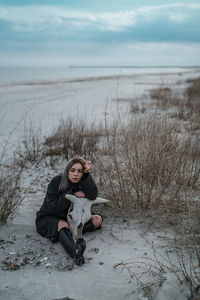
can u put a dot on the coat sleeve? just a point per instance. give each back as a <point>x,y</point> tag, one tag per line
<point>55,201</point>
<point>88,186</point>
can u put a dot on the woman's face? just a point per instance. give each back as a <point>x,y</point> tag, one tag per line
<point>75,173</point>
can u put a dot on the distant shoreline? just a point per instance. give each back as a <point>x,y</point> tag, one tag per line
<point>132,67</point>
<point>37,79</point>
<point>102,67</point>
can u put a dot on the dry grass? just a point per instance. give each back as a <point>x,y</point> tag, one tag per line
<point>193,103</point>
<point>164,97</point>
<point>135,108</point>
<point>31,148</point>
<point>143,166</point>
<point>9,192</point>
<point>183,261</point>
<point>73,138</point>
<point>186,107</point>
<point>158,169</point>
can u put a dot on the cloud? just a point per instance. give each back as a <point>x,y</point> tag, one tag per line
<point>56,34</point>
<point>117,21</point>
<point>39,18</point>
<point>178,17</point>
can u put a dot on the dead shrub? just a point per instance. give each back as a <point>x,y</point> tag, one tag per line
<point>187,106</point>
<point>164,97</point>
<point>174,262</point>
<point>183,259</point>
<point>193,103</point>
<point>31,147</point>
<point>135,108</point>
<point>194,88</point>
<point>72,138</point>
<point>142,166</point>
<point>190,151</point>
<point>9,192</point>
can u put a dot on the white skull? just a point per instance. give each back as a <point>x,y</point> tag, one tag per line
<point>80,212</point>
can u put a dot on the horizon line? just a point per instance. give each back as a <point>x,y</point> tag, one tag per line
<point>133,66</point>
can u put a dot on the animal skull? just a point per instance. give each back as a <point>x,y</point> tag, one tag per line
<point>80,212</point>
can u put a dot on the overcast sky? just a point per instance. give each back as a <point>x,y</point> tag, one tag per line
<point>99,32</point>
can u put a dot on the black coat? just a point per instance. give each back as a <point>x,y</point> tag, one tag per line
<point>55,206</point>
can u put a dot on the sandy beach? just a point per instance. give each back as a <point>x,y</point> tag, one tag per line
<point>34,268</point>
<point>119,255</point>
<point>41,104</point>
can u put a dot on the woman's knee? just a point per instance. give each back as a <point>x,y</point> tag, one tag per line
<point>97,220</point>
<point>62,224</point>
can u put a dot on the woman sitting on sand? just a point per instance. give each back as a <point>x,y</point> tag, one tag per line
<point>51,219</point>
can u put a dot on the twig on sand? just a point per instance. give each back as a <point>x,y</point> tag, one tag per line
<point>147,270</point>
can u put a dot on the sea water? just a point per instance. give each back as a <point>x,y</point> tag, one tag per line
<point>16,74</point>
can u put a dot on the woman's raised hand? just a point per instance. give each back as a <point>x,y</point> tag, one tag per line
<point>87,165</point>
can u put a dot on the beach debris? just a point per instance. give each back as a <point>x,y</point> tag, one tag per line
<point>12,237</point>
<point>48,265</point>
<point>96,250</point>
<point>65,298</point>
<point>44,259</point>
<point>32,191</point>
<point>33,253</point>
<point>8,265</point>
<point>37,263</point>
<point>5,242</point>
<point>65,267</point>
<point>51,248</point>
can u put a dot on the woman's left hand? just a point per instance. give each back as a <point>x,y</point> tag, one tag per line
<point>79,194</point>
<point>87,165</point>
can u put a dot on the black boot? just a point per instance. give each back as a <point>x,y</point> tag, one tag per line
<point>89,226</point>
<point>80,247</point>
<point>75,250</point>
